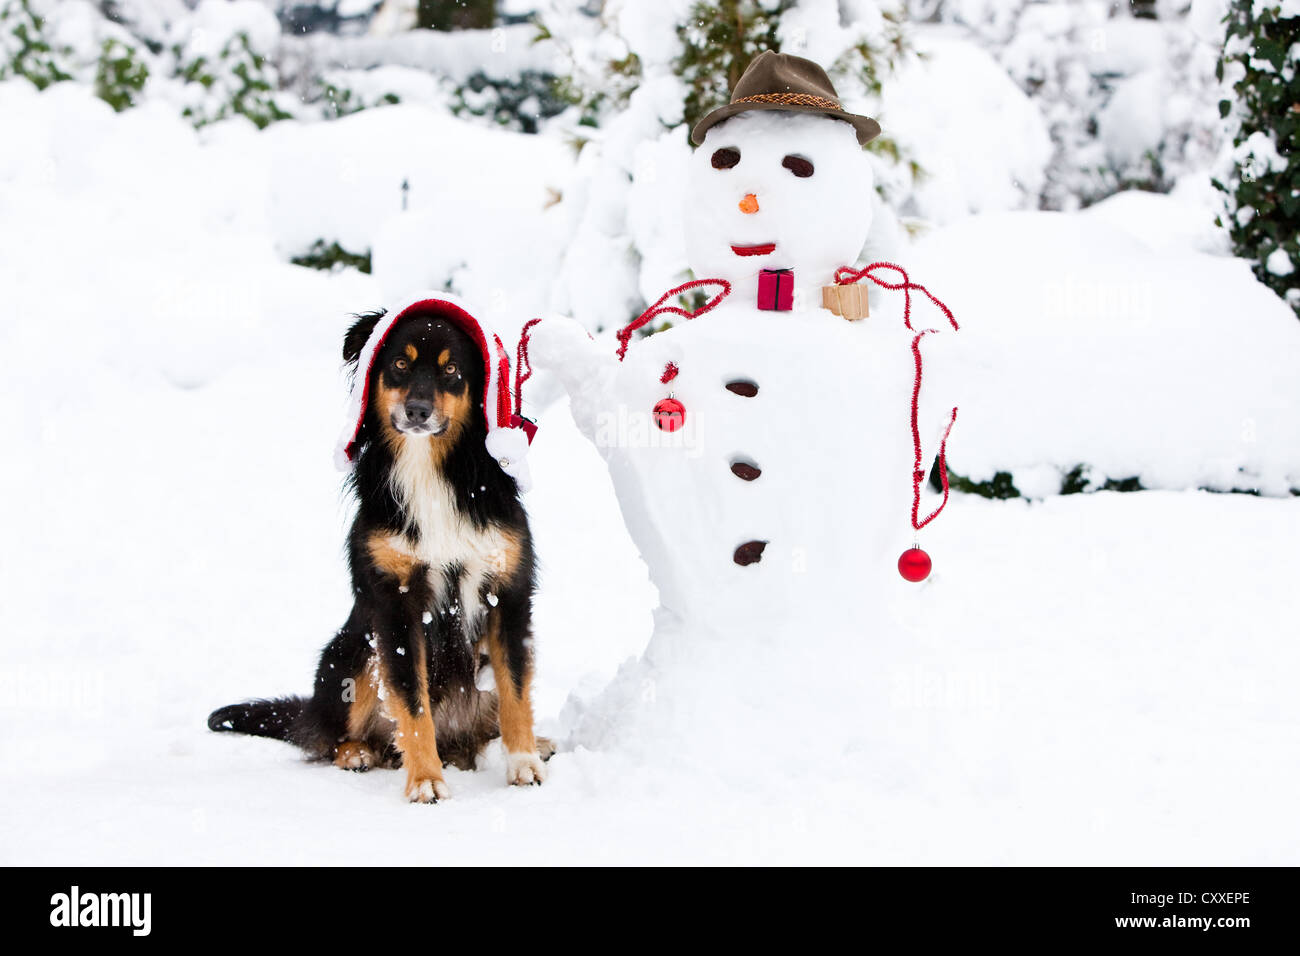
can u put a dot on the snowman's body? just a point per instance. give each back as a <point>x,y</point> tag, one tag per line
<point>828,429</point>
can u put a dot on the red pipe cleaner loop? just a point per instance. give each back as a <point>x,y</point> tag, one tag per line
<point>670,373</point>
<point>625,333</point>
<point>918,471</point>
<point>845,275</point>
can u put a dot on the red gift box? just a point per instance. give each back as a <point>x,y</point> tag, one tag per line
<point>776,290</point>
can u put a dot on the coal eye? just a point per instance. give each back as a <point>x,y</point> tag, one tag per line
<point>726,158</point>
<point>798,165</point>
<point>450,369</point>
<point>401,364</point>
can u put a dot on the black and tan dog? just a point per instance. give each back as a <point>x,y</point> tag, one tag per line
<point>442,571</point>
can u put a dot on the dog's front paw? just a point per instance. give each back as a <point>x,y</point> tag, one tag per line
<point>524,769</point>
<point>353,755</point>
<point>426,789</point>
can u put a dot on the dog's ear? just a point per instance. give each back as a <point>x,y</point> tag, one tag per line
<point>357,336</point>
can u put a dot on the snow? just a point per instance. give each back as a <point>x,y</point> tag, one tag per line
<point>1172,367</point>
<point>1259,150</point>
<point>1083,679</point>
<point>461,200</point>
<point>1002,713</point>
<point>1179,221</point>
<point>1279,262</point>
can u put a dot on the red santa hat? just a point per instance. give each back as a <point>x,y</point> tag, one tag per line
<point>508,435</point>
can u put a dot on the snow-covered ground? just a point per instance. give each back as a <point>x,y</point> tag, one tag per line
<point>1093,679</point>
<point>1102,678</point>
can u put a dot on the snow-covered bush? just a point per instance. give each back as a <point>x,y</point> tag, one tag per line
<point>25,49</point>
<point>57,42</point>
<point>1261,64</point>
<point>336,100</point>
<point>519,103</point>
<point>210,63</point>
<point>718,40</point>
<point>120,75</point>
<point>1123,88</point>
<point>224,60</point>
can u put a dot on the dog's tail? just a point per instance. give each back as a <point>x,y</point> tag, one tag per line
<point>278,719</point>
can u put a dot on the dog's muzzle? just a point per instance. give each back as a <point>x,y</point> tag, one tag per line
<point>418,417</point>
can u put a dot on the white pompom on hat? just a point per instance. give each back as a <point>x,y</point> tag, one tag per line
<point>508,435</point>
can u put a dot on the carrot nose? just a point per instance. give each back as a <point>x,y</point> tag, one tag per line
<point>749,204</point>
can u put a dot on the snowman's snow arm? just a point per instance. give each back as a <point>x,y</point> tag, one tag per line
<point>585,367</point>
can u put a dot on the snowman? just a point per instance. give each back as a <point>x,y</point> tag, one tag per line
<point>762,451</point>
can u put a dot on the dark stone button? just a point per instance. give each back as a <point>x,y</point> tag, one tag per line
<point>745,471</point>
<point>751,552</point>
<point>743,388</point>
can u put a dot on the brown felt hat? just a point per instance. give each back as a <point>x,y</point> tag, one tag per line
<point>778,81</point>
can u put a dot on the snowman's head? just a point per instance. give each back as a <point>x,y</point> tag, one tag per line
<point>777,190</point>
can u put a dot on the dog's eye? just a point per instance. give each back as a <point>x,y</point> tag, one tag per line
<point>725,158</point>
<point>798,165</point>
<point>450,370</point>
<point>401,365</point>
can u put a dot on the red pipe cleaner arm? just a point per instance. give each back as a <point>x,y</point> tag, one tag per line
<point>523,362</point>
<point>845,275</point>
<point>625,334</point>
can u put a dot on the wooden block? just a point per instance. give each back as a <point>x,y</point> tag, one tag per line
<point>846,301</point>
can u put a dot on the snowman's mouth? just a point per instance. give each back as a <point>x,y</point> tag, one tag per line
<point>760,250</point>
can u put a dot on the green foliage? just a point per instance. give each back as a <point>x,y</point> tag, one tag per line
<point>1000,486</point>
<point>238,82</point>
<point>719,38</point>
<point>1122,484</point>
<point>1261,59</point>
<point>24,49</point>
<point>1078,480</point>
<point>119,75</point>
<point>1075,481</point>
<point>328,257</point>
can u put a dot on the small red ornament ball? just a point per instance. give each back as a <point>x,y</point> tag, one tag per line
<point>914,564</point>
<point>670,414</point>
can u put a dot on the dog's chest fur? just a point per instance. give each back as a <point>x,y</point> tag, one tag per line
<point>445,538</point>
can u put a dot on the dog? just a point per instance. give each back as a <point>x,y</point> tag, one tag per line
<point>443,576</point>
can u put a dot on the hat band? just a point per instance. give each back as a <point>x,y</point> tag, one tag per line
<point>791,99</point>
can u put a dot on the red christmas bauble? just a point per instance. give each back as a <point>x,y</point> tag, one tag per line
<point>914,564</point>
<point>670,414</point>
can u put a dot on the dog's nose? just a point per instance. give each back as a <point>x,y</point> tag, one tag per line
<point>417,412</point>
